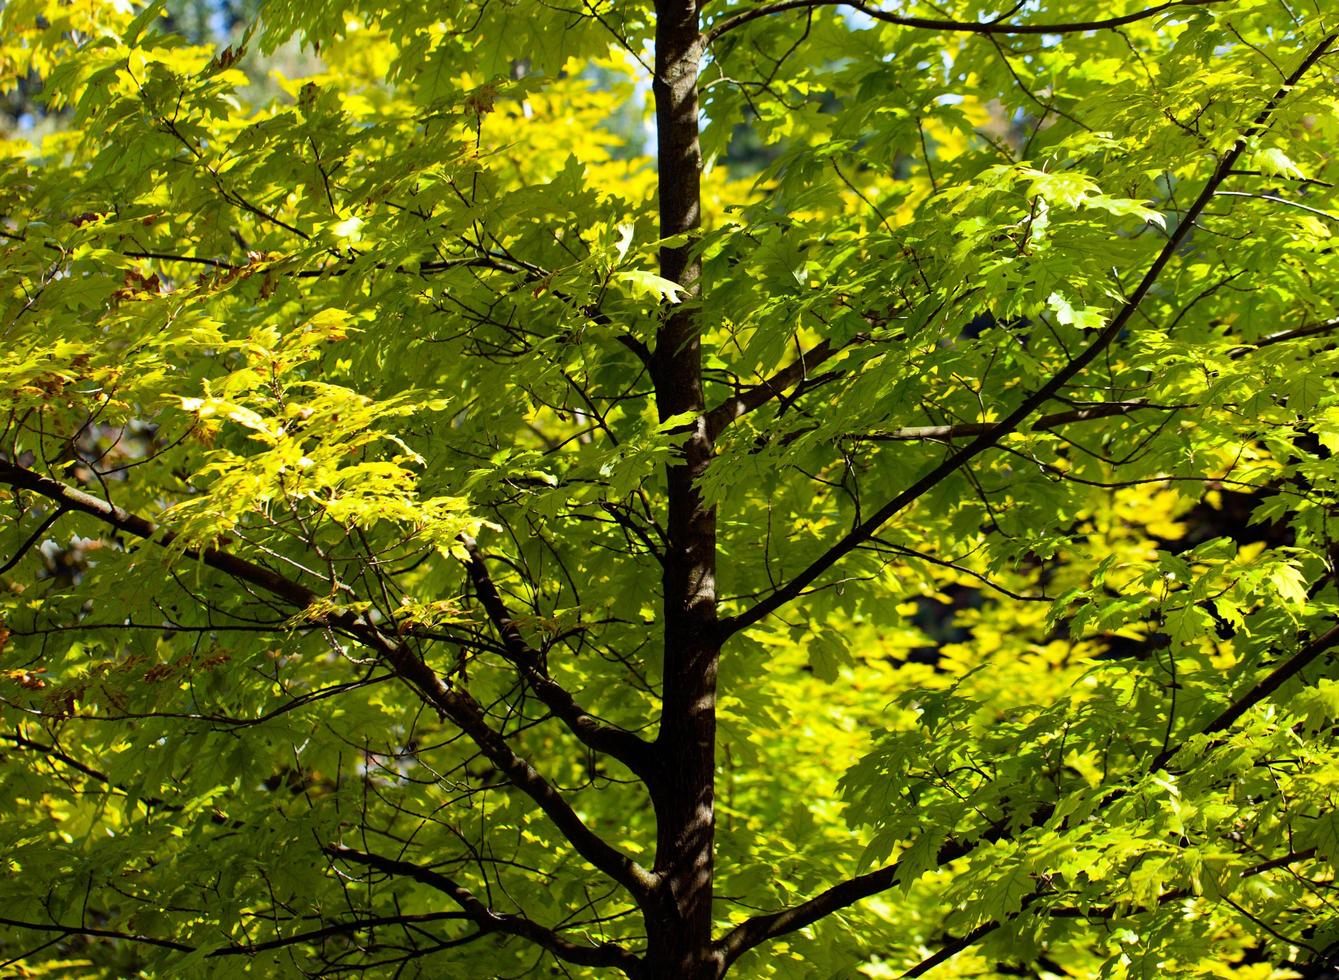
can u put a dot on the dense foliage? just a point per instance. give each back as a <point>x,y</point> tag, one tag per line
<point>812,489</point>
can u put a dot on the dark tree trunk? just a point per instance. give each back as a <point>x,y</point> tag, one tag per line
<point>679,921</point>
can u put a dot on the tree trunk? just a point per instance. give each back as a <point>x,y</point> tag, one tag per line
<point>679,922</point>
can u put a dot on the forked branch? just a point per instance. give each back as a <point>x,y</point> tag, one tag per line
<point>862,532</point>
<point>965,430</point>
<point>727,25</point>
<point>604,954</point>
<point>774,387</point>
<point>453,703</point>
<point>762,928</point>
<point>620,743</point>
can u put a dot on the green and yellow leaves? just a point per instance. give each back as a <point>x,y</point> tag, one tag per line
<point>333,314</point>
<point>324,449</point>
<point>1077,190</point>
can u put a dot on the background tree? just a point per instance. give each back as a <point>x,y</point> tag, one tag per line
<point>446,541</point>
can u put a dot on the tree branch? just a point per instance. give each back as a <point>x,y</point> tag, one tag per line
<point>335,929</point>
<point>955,945</point>
<point>32,539</point>
<point>73,499</point>
<point>761,928</point>
<point>962,430</point>
<point>95,933</point>
<point>750,398</point>
<point>55,753</point>
<point>862,532</point>
<point>618,742</point>
<point>950,26</point>
<point>602,954</point>
<point>339,929</point>
<point>1275,199</point>
<point>453,703</point>
<point>1285,672</point>
<point>1297,333</point>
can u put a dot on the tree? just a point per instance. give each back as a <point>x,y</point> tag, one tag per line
<point>444,541</point>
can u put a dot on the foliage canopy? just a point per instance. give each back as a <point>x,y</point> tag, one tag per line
<point>802,488</point>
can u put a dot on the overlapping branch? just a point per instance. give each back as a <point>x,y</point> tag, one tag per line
<point>601,736</point>
<point>1029,406</point>
<point>964,430</point>
<point>762,928</point>
<point>602,954</point>
<point>989,27</point>
<point>774,387</point>
<point>453,703</point>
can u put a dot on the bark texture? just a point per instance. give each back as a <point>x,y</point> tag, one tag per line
<point>679,920</point>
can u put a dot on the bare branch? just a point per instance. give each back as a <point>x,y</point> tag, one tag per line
<point>602,954</point>
<point>986,440</point>
<point>949,26</point>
